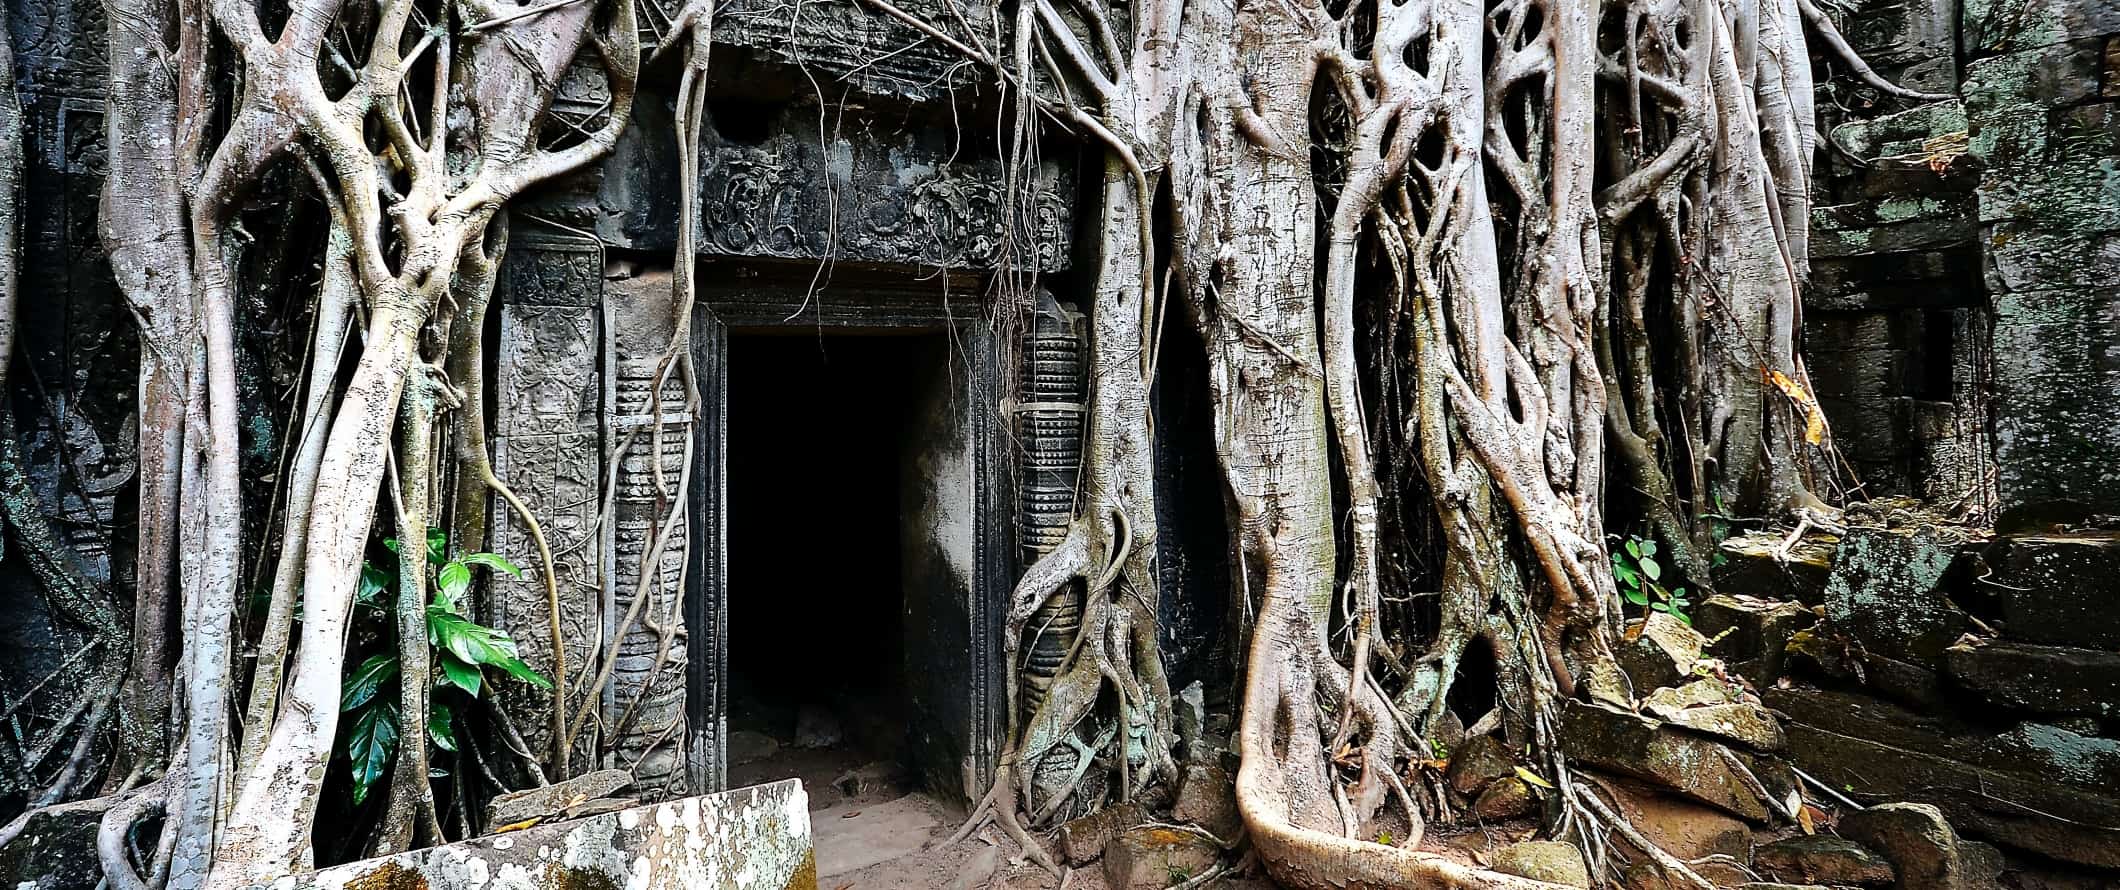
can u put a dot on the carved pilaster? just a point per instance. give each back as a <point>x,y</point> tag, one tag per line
<point>651,430</point>
<point>548,447</point>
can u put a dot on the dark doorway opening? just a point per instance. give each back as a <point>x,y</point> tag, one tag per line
<point>820,432</point>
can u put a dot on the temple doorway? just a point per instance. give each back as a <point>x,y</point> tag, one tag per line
<point>829,461</point>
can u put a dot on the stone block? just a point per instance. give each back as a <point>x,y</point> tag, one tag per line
<point>55,851</point>
<point>1701,769</point>
<point>1550,861</point>
<point>1683,828</point>
<point>2027,677</point>
<point>1751,635</point>
<point>1822,859</point>
<point>1918,221</point>
<point>757,838</point>
<point>1154,858</point>
<point>1752,567</point>
<point>2033,787</point>
<point>2057,589</point>
<point>1886,591</point>
<point>1663,653</point>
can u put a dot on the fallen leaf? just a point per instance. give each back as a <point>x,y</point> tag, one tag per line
<point>1814,425</point>
<point>1531,778</point>
<point>850,815</point>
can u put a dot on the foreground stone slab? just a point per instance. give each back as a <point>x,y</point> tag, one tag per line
<point>755,838</point>
<point>2033,787</point>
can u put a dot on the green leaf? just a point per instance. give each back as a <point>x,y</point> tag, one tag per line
<point>453,582</point>
<point>367,680</point>
<point>441,726</point>
<point>391,544</point>
<point>1651,569</point>
<point>1531,778</point>
<point>478,645</point>
<point>1625,573</point>
<point>437,545</point>
<point>1634,595</point>
<point>493,561</point>
<point>1648,548</point>
<point>370,745</point>
<point>373,582</point>
<point>1634,548</point>
<point>461,675</point>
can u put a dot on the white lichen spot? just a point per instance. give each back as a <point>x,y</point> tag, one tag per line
<point>637,876</point>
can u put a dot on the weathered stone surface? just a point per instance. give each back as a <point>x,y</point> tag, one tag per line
<point>55,851</point>
<point>1699,768</point>
<point>1683,828</point>
<point>1154,858</point>
<point>1916,838</point>
<point>2039,679</point>
<point>1751,567</point>
<point>1751,635</point>
<point>1504,799</point>
<point>1082,840</point>
<point>1821,859</point>
<point>1480,760</point>
<point>2037,788</point>
<point>555,799</point>
<point>2006,25</point>
<point>1886,591</point>
<point>1664,653</point>
<point>756,837</point>
<point>2059,589</point>
<point>2057,755</point>
<point>2051,211</point>
<point>1207,798</point>
<point>1708,706</point>
<point>899,192</point>
<point>1550,861</point>
<point>1892,224</point>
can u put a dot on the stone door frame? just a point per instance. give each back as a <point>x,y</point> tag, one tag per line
<point>737,298</point>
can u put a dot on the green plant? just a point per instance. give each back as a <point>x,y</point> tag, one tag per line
<point>461,648</point>
<point>1640,579</point>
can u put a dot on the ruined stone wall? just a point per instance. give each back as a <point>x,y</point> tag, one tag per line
<point>1896,319</point>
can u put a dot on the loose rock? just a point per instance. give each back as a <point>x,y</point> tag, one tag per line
<point>1822,859</point>
<point>1638,746</point>
<point>1663,654</point>
<point>1207,798</point>
<point>1082,840</point>
<point>554,799</point>
<point>746,746</point>
<point>1479,761</point>
<point>1550,861</point>
<point>1504,799</point>
<point>1154,858</point>
<point>1915,837</point>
